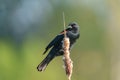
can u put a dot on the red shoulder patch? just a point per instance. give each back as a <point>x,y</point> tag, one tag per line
<point>63,32</point>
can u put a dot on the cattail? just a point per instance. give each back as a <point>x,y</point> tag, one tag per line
<point>68,64</point>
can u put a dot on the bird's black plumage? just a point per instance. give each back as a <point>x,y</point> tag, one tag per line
<point>56,44</point>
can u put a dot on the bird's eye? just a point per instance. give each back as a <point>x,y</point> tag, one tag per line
<point>73,24</point>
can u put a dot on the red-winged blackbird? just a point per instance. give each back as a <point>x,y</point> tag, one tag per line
<point>72,32</point>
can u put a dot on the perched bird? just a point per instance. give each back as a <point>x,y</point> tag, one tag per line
<point>56,45</point>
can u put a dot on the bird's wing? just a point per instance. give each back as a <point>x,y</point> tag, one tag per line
<point>56,40</point>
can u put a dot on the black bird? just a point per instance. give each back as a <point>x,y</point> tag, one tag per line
<point>72,32</point>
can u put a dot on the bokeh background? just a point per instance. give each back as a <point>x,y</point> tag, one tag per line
<point>27,26</point>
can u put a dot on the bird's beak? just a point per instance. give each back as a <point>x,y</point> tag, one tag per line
<point>69,26</point>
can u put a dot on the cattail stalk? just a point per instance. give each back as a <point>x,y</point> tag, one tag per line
<point>66,58</point>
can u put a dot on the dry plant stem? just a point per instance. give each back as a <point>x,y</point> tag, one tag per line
<point>67,60</point>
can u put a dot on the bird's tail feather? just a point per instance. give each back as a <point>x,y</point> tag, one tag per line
<point>42,66</point>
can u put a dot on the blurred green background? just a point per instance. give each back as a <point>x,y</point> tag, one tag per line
<point>27,26</point>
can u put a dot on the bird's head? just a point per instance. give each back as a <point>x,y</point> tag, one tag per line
<point>74,26</point>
